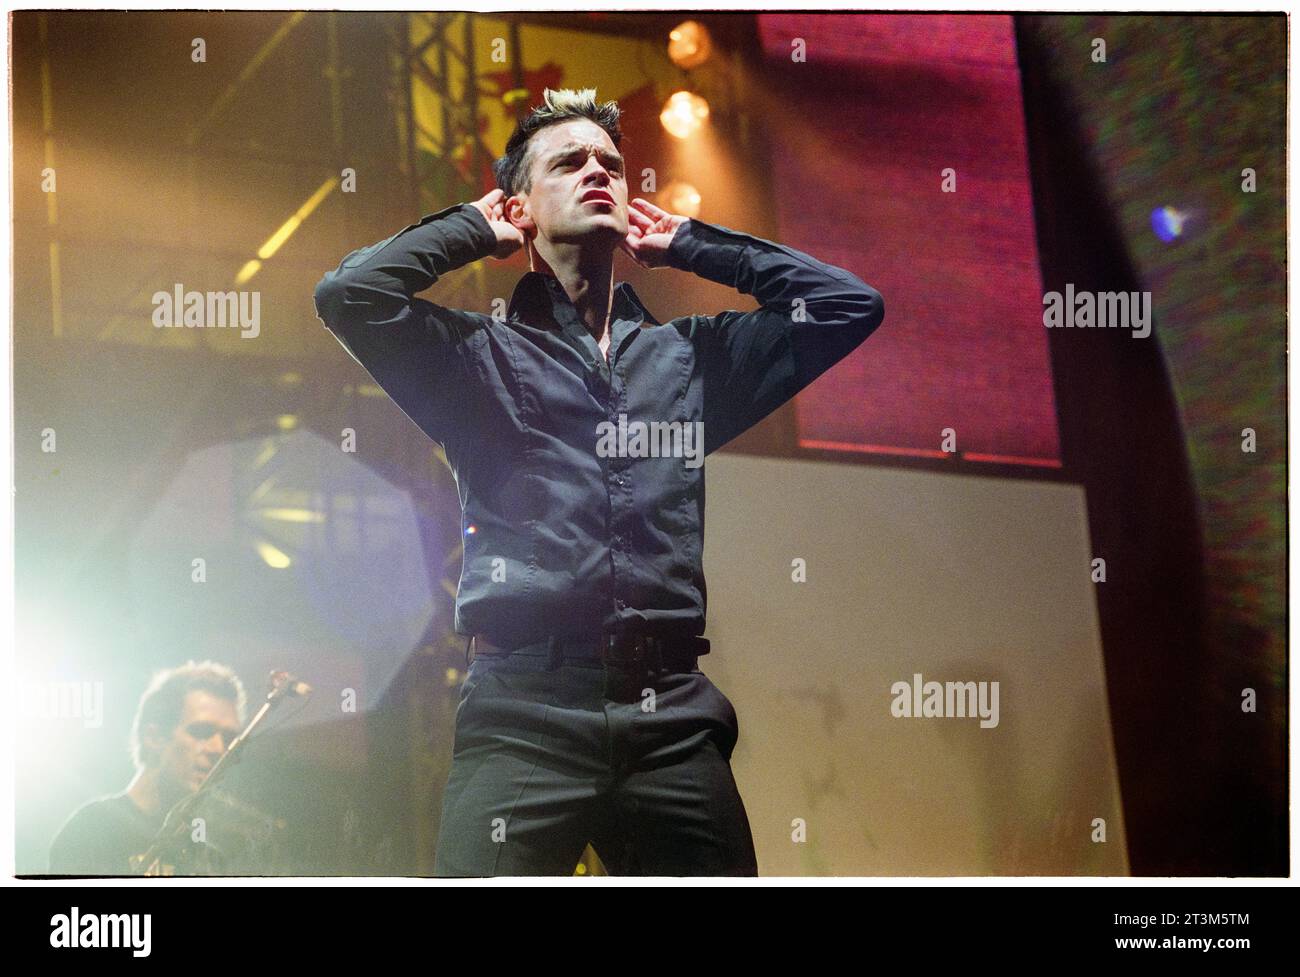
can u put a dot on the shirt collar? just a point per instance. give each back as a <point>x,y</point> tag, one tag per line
<point>540,297</point>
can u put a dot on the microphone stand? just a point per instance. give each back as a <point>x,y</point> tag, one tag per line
<point>283,685</point>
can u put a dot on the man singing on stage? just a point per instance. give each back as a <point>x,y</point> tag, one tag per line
<point>569,422</point>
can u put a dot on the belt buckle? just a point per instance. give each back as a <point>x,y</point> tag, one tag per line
<point>645,650</point>
<point>639,644</point>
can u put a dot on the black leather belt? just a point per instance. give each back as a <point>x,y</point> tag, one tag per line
<point>623,651</point>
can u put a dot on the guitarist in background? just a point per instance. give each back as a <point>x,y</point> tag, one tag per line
<point>186,720</point>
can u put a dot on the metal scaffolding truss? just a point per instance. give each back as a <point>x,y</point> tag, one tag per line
<point>443,109</point>
<point>441,125</point>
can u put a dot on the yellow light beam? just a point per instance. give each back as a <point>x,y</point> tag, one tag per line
<point>285,231</point>
<point>292,515</point>
<point>228,95</point>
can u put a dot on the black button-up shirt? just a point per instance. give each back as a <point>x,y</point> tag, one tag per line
<point>580,482</point>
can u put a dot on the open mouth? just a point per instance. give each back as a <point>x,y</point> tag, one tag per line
<point>597,196</point>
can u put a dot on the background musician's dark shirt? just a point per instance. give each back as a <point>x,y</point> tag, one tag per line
<point>101,836</point>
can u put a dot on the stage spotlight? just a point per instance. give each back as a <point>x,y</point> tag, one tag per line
<point>684,114</point>
<point>689,44</point>
<point>1168,223</point>
<point>679,197</point>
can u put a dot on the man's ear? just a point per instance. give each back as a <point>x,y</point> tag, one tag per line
<point>520,215</point>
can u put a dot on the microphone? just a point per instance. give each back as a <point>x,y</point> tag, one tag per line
<point>285,683</point>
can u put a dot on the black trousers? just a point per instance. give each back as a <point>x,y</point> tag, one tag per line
<point>550,756</point>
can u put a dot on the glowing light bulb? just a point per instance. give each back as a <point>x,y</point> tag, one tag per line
<point>689,44</point>
<point>684,114</point>
<point>679,197</point>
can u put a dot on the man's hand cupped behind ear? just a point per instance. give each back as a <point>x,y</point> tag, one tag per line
<point>509,238</point>
<point>649,233</point>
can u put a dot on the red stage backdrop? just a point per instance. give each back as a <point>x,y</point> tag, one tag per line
<point>863,132</point>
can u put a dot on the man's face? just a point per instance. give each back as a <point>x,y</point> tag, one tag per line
<point>579,188</point>
<point>207,726</point>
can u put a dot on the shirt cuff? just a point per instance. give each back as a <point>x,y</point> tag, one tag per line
<point>709,250</point>
<point>683,246</point>
<point>485,237</point>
